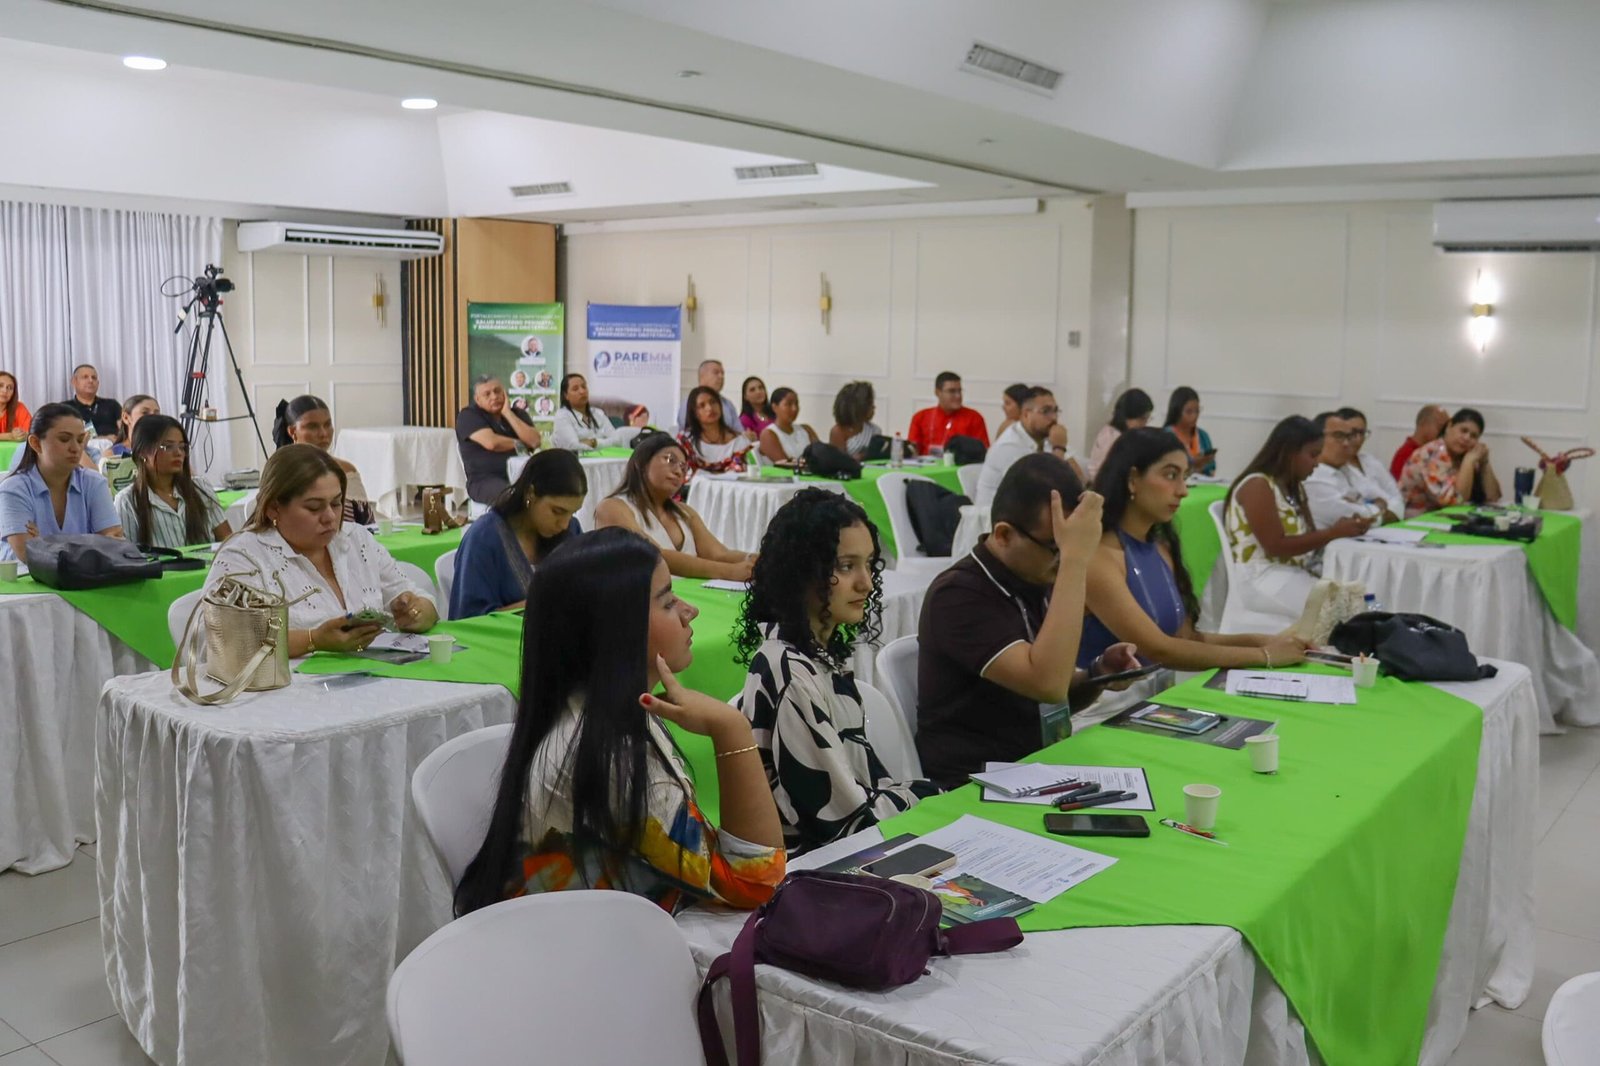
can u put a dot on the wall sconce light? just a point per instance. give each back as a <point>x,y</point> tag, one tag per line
<point>1481,326</point>
<point>380,301</point>
<point>690,303</point>
<point>825,304</point>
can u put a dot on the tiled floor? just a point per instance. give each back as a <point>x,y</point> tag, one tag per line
<point>55,1011</point>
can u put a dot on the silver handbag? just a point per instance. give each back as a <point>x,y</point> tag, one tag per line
<point>245,630</point>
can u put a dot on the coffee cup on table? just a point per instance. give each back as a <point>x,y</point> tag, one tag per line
<point>1200,805</point>
<point>8,570</point>
<point>1364,670</point>
<point>1263,749</point>
<point>1530,501</point>
<point>441,647</point>
<point>385,525</point>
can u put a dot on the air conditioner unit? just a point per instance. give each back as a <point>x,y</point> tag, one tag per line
<point>309,238</point>
<point>1556,224</point>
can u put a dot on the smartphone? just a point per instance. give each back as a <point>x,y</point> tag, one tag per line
<point>1097,825</point>
<point>918,859</point>
<point>372,616</point>
<point>1126,675</point>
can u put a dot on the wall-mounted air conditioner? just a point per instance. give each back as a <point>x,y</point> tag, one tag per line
<point>308,238</point>
<point>1556,224</point>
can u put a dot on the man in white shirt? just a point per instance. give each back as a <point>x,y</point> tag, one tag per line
<point>712,376</point>
<point>1381,483</point>
<point>1337,487</point>
<point>1036,430</point>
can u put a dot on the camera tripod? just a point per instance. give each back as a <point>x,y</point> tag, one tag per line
<point>209,302</point>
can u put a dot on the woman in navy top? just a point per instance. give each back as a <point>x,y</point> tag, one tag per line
<point>531,518</point>
<point>1138,590</point>
<point>50,492</point>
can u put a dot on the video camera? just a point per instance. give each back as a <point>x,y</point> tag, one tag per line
<point>209,287</point>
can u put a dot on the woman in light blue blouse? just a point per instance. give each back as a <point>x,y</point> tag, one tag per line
<point>50,492</point>
<point>498,552</point>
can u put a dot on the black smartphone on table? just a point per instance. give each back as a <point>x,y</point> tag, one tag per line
<point>1097,825</point>
<point>1125,675</point>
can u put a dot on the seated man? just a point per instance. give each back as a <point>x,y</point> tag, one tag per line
<point>103,415</point>
<point>1036,430</point>
<point>932,426</point>
<point>1379,484</point>
<point>488,434</point>
<point>1338,487</point>
<point>999,632</point>
<point>1431,421</point>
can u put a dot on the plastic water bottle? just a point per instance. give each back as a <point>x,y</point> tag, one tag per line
<point>1369,602</point>
<point>753,462</point>
<point>896,452</point>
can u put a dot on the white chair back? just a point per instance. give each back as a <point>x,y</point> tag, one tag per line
<point>968,476</point>
<point>419,577</point>
<point>453,790</point>
<point>1237,614</point>
<point>889,735</point>
<point>444,572</point>
<point>897,673</point>
<point>547,978</point>
<point>476,510</point>
<point>178,614</point>
<point>1572,1022</point>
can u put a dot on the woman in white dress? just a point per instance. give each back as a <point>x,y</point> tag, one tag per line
<point>580,427</point>
<point>785,440</point>
<point>646,504</point>
<point>298,544</point>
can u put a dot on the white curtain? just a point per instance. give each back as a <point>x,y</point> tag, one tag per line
<point>84,285</point>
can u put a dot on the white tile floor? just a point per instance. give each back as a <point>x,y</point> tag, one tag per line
<point>55,1011</point>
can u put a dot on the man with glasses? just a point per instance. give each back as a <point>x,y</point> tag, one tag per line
<point>1380,484</point>
<point>1037,429</point>
<point>1338,487</point>
<point>998,637</point>
<point>931,427</point>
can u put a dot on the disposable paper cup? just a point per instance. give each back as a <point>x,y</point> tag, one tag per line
<point>1263,749</point>
<point>385,526</point>
<point>1502,522</point>
<point>1200,805</point>
<point>1364,672</point>
<point>1530,501</point>
<point>8,570</point>
<point>441,646</point>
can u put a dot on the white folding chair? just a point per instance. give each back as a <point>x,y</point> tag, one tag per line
<point>1237,615</point>
<point>419,577</point>
<point>897,673</point>
<point>909,554</point>
<point>579,976</point>
<point>968,476</point>
<point>476,510</point>
<point>889,735</point>
<point>1572,1022</point>
<point>454,789</point>
<point>444,573</point>
<point>178,614</point>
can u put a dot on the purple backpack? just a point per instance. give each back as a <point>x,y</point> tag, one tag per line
<point>854,929</point>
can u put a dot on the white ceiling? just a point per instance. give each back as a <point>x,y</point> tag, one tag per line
<point>292,104</point>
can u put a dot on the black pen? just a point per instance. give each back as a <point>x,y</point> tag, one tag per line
<point>1096,800</point>
<point>1090,789</point>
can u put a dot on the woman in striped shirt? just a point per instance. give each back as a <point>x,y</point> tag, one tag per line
<point>166,507</point>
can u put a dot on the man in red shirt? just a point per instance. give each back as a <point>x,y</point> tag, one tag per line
<point>1431,421</point>
<point>932,426</point>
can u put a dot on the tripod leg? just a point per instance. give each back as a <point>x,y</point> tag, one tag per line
<point>239,374</point>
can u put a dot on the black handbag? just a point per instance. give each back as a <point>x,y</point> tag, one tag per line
<point>1411,647</point>
<point>824,460</point>
<point>74,561</point>
<point>882,447</point>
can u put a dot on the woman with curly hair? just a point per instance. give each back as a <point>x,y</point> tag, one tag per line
<point>816,589</point>
<point>853,427</point>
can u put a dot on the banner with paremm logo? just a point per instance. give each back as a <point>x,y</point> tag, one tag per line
<point>634,357</point>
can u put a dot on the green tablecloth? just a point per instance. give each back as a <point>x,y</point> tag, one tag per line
<point>136,613</point>
<point>8,448</point>
<point>1553,559</point>
<point>1198,534</point>
<point>1341,868</point>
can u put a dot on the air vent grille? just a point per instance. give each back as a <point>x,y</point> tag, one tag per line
<point>1012,69</point>
<point>776,172</point>
<point>549,188</point>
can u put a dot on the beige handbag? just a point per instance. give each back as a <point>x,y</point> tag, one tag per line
<point>245,630</point>
<point>1330,603</point>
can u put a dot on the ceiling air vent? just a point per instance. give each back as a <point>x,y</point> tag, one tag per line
<point>1011,69</point>
<point>776,172</point>
<point>549,188</point>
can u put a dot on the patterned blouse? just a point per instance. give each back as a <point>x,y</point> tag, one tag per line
<point>812,731</point>
<point>714,458</point>
<point>1428,481</point>
<point>1242,540</point>
<point>681,858</point>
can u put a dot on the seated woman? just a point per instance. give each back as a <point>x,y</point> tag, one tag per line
<point>1454,469</point>
<point>307,420</point>
<point>710,443</point>
<point>327,568</point>
<point>593,793</point>
<point>580,427</point>
<point>755,412</point>
<point>501,548</point>
<point>1138,590</point>
<point>645,503</point>
<point>1270,530</point>
<point>134,408</point>
<point>783,440</point>
<point>166,507</point>
<point>51,492</point>
<point>1011,402</point>
<point>1183,418</point>
<point>853,427</point>
<point>14,415</point>
<point>1131,411</point>
<point>815,591</point>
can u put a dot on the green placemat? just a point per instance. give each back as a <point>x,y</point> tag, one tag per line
<point>1553,559</point>
<point>1341,869</point>
<point>1198,534</point>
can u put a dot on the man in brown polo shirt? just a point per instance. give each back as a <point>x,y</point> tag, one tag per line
<point>999,632</point>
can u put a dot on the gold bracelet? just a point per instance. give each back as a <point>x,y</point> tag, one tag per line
<point>736,751</point>
<point>311,639</point>
<point>1267,655</point>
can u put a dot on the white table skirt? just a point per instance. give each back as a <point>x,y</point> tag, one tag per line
<point>238,512</point>
<point>392,459</point>
<point>603,474</point>
<point>1487,593</point>
<point>261,866</point>
<point>54,660</point>
<point>737,512</point>
<point>1157,995</point>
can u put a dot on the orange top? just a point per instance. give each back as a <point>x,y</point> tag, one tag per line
<point>24,419</point>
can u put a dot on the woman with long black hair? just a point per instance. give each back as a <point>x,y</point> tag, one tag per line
<point>579,425</point>
<point>531,519</point>
<point>50,491</point>
<point>167,506</point>
<point>1131,411</point>
<point>817,589</point>
<point>307,420</point>
<point>593,793</point>
<point>1183,418</point>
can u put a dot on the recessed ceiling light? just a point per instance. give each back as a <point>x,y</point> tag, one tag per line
<point>419,103</point>
<point>688,74</point>
<point>144,63</point>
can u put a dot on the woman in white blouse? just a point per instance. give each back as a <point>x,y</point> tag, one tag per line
<point>580,427</point>
<point>784,439</point>
<point>298,543</point>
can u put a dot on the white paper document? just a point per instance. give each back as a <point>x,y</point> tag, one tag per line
<point>1302,688</point>
<point>411,643</point>
<point>1395,535</point>
<point>1013,859</point>
<point>1027,778</point>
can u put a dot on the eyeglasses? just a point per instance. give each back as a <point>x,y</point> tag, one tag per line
<point>1351,436</point>
<point>674,464</point>
<point>1050,546</point>
<point>173,449</point>
<point>1047,410</point>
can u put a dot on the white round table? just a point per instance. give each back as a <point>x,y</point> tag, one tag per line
<point>737,511</point>
<point>395,459</point>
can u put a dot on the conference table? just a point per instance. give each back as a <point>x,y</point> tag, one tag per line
<point>602,469</point>
<point>394,460</point>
